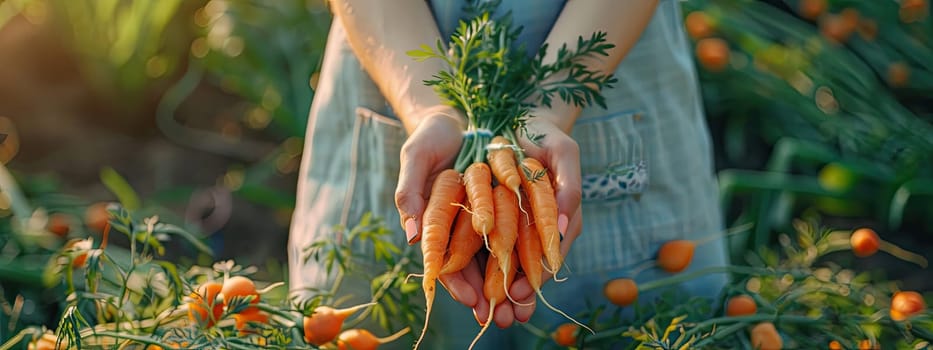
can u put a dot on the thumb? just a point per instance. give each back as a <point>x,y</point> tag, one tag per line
<point>409,194</point>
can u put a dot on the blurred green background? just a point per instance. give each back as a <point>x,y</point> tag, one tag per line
<point>196,111</point>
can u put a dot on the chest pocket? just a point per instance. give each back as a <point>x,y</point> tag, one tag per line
<point>612,156</point>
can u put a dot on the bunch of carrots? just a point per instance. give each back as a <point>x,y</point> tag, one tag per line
<point>495,197</point>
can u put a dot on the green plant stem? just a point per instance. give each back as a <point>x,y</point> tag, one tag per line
<point>117,335</point>
<point>379,293</point>
<point>744,270</point>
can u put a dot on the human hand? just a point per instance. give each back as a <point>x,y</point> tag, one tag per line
<point>430,148</point>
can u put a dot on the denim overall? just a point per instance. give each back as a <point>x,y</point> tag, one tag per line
<point>646,162</point>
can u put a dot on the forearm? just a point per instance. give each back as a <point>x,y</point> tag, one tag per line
<point>381,47</point>
<point>623,21</point>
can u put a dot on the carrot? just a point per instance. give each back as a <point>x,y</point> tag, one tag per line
<point>478,182</point>
<point>464,243</point>
<point>537,186</point>
<point>528,248</point>
<point>674,256</point>
<point>439,214</point>
<point>324,324</point>
<point>505,233</point>
<point>493,287</point>
<point>501,158</point>
<point>361,339</point>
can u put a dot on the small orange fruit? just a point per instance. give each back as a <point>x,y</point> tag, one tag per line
<point>835,28</point>
<point>906,304</point>
<point>566,334</point>
<point>205,297</point>
<point>812,9</point>
<point>247,321</point>
<point>59,224</point>
<point>621,291</point>
<point>869,344</point>
<point>239,286</point>
<point>898,74</point>
<point>912,10</point>
<point>868,29</point>
<point>698,25</point>
<point>765,337</point>
<point>865,242</point>
<point>835,345</point>
<point>96,216</point>
<point>674,256</point>
<point>741,305</point>
<point>713,54</point>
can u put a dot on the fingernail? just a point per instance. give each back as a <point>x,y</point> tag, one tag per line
<point>411,230</point>
<point>562,223</point>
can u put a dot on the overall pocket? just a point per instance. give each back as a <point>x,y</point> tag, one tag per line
<point>374,169</point>
<point>612,156</point>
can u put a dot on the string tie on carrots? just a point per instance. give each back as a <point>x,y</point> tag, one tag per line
<point>477,132</point>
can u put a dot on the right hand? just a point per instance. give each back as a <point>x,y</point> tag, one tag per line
<point>430,148</point>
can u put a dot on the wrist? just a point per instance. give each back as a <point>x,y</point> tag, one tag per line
<point>436,113</point>
<point>560,115</point>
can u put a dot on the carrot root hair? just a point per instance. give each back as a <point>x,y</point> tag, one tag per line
<point>505,284</point>
<point>549,306</point>
<point>427,316</point>
<point>410,275</point>
<point>552,272</point>
<point>492,309</point>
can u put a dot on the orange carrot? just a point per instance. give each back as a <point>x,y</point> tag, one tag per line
<point>493,287</point>
<point>537,184</point>
<point>501,160</point>
<point>446,193</point>
<point>505,233</point>
<point>464,243</point>
<point>361,339</point>
<point>478,182</point>
<point>324,324</point>
<point>528,248</point>
<point>502,163</point>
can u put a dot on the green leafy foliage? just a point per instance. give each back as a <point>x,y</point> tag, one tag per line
<point>490,78</point>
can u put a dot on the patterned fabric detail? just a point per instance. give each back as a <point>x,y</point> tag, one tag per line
<point>616,182</point>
